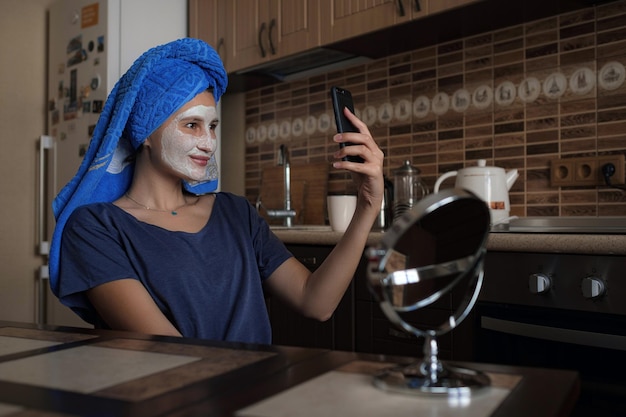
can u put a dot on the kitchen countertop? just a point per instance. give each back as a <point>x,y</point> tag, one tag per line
<point>595,244</point>
<point>590,244</point>
<point>318,237</point>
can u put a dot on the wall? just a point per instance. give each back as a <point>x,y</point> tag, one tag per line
<point>232,176</point>
<point>22,120</point>
<point>445,106</point>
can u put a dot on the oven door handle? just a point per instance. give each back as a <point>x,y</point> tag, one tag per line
<point>579,337</point>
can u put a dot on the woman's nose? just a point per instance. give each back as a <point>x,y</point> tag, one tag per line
<point>207,143</point>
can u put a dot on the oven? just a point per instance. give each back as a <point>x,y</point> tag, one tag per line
<point>558,311</point>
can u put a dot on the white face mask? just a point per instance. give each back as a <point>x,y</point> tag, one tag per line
<point>189,141</point>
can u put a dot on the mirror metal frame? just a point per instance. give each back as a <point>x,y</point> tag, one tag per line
<point>429,375</point>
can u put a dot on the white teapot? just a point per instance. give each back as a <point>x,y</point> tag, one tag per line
<point>491,184</point>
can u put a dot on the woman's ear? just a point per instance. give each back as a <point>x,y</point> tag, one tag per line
<point>146,143</point>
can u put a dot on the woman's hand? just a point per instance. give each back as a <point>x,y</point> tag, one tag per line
<point>368,175</point>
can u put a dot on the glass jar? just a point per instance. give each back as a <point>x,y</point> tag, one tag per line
<point>408,188</point>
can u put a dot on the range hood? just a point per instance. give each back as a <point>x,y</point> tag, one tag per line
<point>307,64</point>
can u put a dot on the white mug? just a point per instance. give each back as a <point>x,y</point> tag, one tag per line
<point>340,211</point>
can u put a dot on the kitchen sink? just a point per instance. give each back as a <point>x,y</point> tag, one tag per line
<point>303,228</point>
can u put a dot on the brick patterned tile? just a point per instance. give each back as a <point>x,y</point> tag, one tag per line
<point>519,134</point>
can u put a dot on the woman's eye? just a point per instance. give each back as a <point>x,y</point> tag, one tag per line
<point>199,125</point>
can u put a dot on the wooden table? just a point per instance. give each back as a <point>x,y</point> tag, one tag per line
<point>127,374</point>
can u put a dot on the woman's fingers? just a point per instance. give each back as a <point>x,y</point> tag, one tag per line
<point>362,143</point>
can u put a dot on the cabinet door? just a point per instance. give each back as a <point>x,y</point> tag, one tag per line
<point>375,333</point>
<point>292,329</point>
<point>249,31</point>
<point>342,19</point>
<point>264,30</point>
<point>207,21</point>
<point>298,25</point>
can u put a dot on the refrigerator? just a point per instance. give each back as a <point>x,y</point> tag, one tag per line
<point>91,43</point>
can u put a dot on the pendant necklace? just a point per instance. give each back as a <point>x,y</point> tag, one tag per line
<point>173,212</point>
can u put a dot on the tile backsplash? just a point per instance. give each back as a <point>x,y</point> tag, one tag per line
<point>517,97</point>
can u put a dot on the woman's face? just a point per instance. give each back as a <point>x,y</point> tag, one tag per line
<point>187,139</point>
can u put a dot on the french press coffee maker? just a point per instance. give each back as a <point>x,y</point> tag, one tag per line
<point>408,188</point>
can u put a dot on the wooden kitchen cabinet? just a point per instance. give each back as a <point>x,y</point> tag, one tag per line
<point>343,19</point>
<point>264,30</point>
<point>250,32</point>
<point>208,21</point>
<point>374,333</point>
<point>359,324</point>
<point>292,329</point>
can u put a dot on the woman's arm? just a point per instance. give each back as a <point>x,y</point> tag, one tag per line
<point>126,305</point>
<point>317,294</point>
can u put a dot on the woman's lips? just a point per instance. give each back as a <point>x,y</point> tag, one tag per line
<point>200,159</point>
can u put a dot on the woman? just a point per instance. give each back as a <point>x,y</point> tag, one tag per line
<point>146,246</point>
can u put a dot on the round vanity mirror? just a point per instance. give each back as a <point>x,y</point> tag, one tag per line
<point>437,247</point>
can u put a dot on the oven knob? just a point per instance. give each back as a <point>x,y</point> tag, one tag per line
<point>593,287</point>
<point>539,283</point>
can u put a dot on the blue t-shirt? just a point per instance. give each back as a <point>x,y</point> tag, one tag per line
<point>208,284</point>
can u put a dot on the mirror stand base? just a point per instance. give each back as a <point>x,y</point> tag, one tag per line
<point>450,380</point>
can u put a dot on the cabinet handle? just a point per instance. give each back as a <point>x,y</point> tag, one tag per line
<point>269,35</point>
<point>261,30</point>
<point>220,44</point>
<point>310,262</point>
<point>400,8</point>
<point>418,7</point>
<point>554,334</point>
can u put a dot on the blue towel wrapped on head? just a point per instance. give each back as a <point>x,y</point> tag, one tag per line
<point>158,83</point>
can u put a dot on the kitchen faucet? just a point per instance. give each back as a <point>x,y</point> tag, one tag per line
<point>286,213</point>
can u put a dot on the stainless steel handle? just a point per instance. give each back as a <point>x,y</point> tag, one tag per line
<point>555,334</point>
<point>47,147</point>
<point>47,156</point>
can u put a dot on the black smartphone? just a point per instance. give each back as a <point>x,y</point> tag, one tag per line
<point>342,98</point>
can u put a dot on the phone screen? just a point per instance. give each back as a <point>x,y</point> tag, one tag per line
<point>341,99</point>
